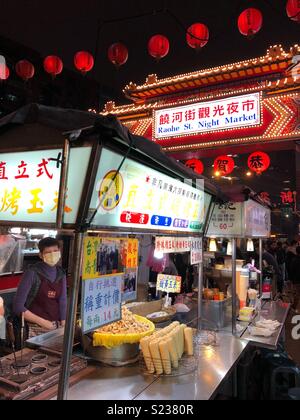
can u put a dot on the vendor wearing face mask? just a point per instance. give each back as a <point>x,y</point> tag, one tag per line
<point>42,293</point>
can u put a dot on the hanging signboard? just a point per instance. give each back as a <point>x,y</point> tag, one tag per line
<point>225,114</point>
<point>101,302</point>
<point>196,251</point>
<point>29,185</point>
<point>142,198</point>
<point>257,220</point>
<point>168,284</point>
<point>240,220</point>
<point>226,220</point>
<point>169,245</point>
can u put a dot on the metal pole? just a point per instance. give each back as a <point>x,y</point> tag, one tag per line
<point>234,299</point>
<point>63,385</point>
<point>200,288</point>
<point>261,251</point>
<point>63,185</point>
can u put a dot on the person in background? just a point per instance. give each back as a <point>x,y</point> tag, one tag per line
<point>295,270</point>
<point>281,258</point>
<point>290,256</point>
<point>42,293</point>
<point>269,256</point>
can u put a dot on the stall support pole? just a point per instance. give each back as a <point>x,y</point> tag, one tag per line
<point>234,299</point>
<point>63,185</point>
<point>261,251</point>
<point>200,288</point>
<point>63,385</point>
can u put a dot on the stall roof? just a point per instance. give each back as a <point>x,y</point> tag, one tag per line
<point>48,126</point>
<point>240,193</point>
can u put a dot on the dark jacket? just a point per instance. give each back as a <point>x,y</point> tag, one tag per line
<point>295,270</point>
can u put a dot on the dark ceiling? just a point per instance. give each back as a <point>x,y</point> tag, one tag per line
<point>64,27</point>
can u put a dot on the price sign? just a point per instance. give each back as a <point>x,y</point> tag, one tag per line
<point>168,284</point>
<point>196,251</point>
<point>101,302</point>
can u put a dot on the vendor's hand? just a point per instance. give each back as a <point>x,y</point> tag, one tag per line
<point>48,325</point>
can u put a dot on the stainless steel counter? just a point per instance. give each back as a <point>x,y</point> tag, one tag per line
<point>215,365</point>
<point>111,384</point>
<point>275,311</point>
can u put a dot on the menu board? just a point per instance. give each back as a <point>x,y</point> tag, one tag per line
<point>142,198</point>
<point>227,220</point>
<point>101,302</point>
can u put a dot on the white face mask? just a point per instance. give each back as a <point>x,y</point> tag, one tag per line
<point>52,258</point>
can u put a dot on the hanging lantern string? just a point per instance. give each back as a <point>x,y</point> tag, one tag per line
<point>279,13</point>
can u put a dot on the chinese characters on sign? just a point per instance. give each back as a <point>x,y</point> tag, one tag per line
<point>225,114</point>
<point>226,220</point>
<point>101,302</point>
<point>257,220</point>
<point>168,284</point>
<point>288,198</point>
<point>168,245</point>
<point>143,198</point>
<point>109,256</point>
<point>259,162</point>
<point>30,181</point>
<point>196,251</point>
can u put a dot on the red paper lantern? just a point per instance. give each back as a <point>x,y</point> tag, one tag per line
<point>250,22</point>
<point>25,70</point>
<point>259,162</point>
<point>196,165</point>
<point>118,54</point>
<point>84,61</point>
<point>293,10</point>
<point>4,71</point>
<point>159,47</point>
<point>53,65</point>
<point>224,165</point>
<point>197,36</point>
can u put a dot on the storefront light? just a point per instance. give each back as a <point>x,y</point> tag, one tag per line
<point>250,245</point>
<point>158,255</point>
<point>229,248</point>
<point>213,246</point>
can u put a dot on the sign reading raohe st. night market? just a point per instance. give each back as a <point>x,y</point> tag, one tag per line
<point>221,115</point>
<point>140,197</point>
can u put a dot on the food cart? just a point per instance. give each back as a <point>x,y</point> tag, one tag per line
<point>50,192</point>
<point>246,220</point>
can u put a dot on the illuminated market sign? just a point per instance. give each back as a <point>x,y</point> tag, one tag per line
<point>248,219</point>
<point>140,197</point>
<point>29,185</point>
<point>225,114</point>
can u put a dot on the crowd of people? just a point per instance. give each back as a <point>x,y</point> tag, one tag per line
<point>284,257</point>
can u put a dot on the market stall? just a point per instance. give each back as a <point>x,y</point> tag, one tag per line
<point>251,317</point>
<point>134,190</point>
<point>129,175</point>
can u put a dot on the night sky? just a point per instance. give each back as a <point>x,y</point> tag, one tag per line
<point>64,27</point>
